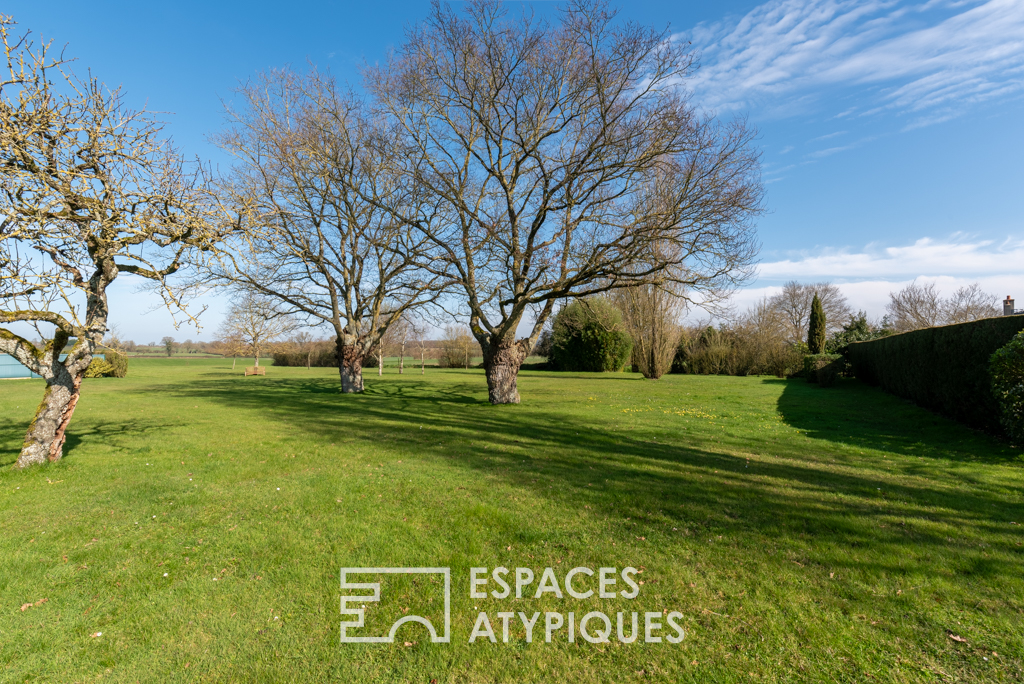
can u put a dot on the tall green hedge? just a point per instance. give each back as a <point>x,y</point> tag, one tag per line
<point>944,369</point>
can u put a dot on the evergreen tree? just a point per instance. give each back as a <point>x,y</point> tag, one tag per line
<point>816,328</point>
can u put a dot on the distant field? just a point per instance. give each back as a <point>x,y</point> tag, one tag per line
<point>201,518</point>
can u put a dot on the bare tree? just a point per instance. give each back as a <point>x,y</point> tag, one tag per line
<point>565,161</point>
<point>89,190</point>
<point>651,316</point>
<point>232,346</point>
<point>307,237</point>
<point>794,303</point>
<point>397,338</point>
<point>922,306</point>
<point>257,322</point>
<point>418,333</point>
<point>304,344</point>
<point>971,303</point>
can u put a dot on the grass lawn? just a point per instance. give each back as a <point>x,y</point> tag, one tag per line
<point>201,518</point>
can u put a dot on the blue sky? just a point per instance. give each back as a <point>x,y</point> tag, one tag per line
<point>892,132</point>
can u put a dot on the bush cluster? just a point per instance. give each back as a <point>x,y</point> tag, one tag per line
<point>98,368</point>
<point>944,369</point>
<point>858,329</point>
<point>1006,367</point>
<point>114,365</point>
<point>321,355</point>
<point>118,363</point>
<point>588,336</point>
<point>740,350</point>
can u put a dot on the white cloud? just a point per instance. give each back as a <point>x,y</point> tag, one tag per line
<point>871,296</point>
<point>957,256</point>
<point>867,276</point>
<point>930,60</point>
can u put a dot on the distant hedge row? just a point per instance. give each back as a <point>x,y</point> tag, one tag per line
<point>321,356</point>
<point>945,369</point>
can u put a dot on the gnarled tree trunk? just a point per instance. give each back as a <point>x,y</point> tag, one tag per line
<point>47,432</point>
<point>501,364</point>
<point>350,366</point>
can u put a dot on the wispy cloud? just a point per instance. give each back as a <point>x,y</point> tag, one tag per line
<point>956,256</point>
<point>929,60</point>
<point>871,296</point>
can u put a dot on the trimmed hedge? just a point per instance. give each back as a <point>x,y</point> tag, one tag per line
<point>944,369</point>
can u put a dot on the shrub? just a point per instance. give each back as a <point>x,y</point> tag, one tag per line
<point>118,363</point>
<point>1006,366</point>
<point>945,369</point>
<point>588,335</point>
<point>99,368</point>
<point>822,368</point>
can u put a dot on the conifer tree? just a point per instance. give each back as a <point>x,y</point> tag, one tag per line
<point>816,328</point>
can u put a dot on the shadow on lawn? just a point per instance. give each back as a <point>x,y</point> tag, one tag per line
<point>568,458</point>
<point>857,414</point>
<point>13,432</point>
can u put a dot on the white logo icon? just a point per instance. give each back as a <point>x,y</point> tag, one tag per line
<point>374,587</point>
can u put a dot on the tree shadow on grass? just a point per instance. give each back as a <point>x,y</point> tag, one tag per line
<point>81,432</point>
<point>564,457</point>
<point>854,413</point>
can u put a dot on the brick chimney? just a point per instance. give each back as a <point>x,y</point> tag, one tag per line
<point>1007,306</point>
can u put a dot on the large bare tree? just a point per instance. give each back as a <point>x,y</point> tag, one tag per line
<point>89,190</point>
<point>566,160</point>
<point>923,306</point>
<point>313,202</point>
<point>794,304</point>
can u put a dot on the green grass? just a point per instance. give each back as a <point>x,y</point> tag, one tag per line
<point>805,534</point>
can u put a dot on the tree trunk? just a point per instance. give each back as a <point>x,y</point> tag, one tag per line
<point>44,440</point>
<point>401,359</point>
<point>350,366</point>
<point>380,358</point>
<point>234,359</point>
<point>501,364</point>
<point>423,364</point>
<point>308,355</point>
